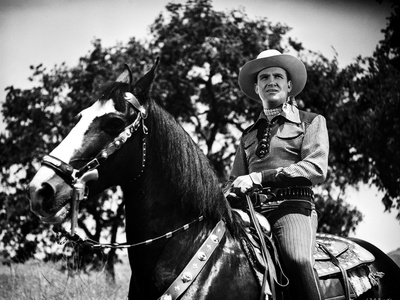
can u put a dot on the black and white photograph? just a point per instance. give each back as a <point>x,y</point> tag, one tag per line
<point>200,149</point>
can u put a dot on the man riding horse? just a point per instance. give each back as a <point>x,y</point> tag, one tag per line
<point>184,241</point>
<point>285,151</point>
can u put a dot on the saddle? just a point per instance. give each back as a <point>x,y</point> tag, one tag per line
<point>341,264</point>
<point>342,267</point>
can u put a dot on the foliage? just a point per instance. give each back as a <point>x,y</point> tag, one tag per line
<point>361,104</point>
<point>369,118</point>
<point>37,120</point>
<point>200,68</point>
<point>201,51</point>
<point>345,220</point>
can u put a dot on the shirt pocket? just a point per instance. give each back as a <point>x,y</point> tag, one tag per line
<point>250,144</point>
<point>290,137</point>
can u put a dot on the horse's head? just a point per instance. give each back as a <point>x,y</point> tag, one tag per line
<point>109,125</point>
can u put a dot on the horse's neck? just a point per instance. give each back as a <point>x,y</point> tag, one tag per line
<point>151,209</point>
<point>159,262</point>
<point>174,190</point>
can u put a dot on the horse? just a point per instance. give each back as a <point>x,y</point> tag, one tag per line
<point>186,239</point>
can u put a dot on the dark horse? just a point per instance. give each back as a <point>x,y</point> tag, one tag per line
<point>173,200</point>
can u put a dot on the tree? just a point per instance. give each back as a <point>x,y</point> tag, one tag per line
<point>37,120</point>
<point>201,51</point>
<point>369,118</point>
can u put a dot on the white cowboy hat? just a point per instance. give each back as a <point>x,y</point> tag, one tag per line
<point>272,58</point>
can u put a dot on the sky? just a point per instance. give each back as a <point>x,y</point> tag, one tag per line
<point>55,31</point>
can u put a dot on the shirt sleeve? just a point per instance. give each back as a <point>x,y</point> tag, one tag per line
<point>240,165</point>
<point>314,153</point>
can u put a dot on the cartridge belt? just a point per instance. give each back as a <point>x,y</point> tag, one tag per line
<point>277,194</point>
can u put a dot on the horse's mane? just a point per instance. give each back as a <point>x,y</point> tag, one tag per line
<point>186,170</point>
<point>171,152</point>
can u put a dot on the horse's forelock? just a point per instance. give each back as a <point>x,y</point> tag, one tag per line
<point>116,91</point>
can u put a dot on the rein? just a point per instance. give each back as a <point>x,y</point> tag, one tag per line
<point>96,245</point>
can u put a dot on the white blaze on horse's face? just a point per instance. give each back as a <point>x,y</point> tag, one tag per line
<point>49,192</point>
<point>75,139</point>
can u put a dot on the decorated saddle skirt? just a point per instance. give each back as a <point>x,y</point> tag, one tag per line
<point>333,256</point>
<point>348,253</point>
<point>352,258</point>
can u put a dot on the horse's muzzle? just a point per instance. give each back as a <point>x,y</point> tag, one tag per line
<point>49,196</point>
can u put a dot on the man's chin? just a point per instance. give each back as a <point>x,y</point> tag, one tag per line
<point>273,100</point>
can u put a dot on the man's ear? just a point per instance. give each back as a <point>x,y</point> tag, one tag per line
<point>256,88</point>
<point>289,84</point>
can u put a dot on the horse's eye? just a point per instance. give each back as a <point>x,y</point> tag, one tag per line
<point>113,125</point>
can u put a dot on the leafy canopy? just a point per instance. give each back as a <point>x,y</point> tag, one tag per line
<point>201,51</point>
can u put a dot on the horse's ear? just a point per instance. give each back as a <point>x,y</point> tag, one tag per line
<point>126,75</point>
<point>143,85</point>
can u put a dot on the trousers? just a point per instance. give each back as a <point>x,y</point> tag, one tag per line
<point>294,228</point>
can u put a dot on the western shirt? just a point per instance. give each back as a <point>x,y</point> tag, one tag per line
<point>298,146</point>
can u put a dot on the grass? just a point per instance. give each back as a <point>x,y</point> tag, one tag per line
<point>38,280</point>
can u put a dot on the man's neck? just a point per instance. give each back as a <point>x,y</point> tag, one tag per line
<point>272,104</point>
<point>270,113</point>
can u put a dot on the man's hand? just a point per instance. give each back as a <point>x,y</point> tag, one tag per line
<point>247,184</point>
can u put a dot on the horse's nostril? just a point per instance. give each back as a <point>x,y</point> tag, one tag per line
<point>46,192</point>
<point>41,198</point>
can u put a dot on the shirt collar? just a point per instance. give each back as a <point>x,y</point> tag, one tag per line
<point>289,112</point>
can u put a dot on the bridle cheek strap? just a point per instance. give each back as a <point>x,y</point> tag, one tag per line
<point>71,175</point>
<point>112,147</point>
<point>77,178</point>
<point>132,100</point>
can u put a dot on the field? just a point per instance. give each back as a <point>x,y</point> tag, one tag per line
<point>38,280</point>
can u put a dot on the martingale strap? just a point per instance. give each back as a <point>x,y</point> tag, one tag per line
<point>196,264</point>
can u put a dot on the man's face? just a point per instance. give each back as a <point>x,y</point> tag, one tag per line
<point>273,86</point>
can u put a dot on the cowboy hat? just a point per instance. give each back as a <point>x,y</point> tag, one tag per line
<point>272,58</point>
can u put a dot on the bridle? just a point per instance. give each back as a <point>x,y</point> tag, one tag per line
<point>72,175</point>
<point>77,179</point>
